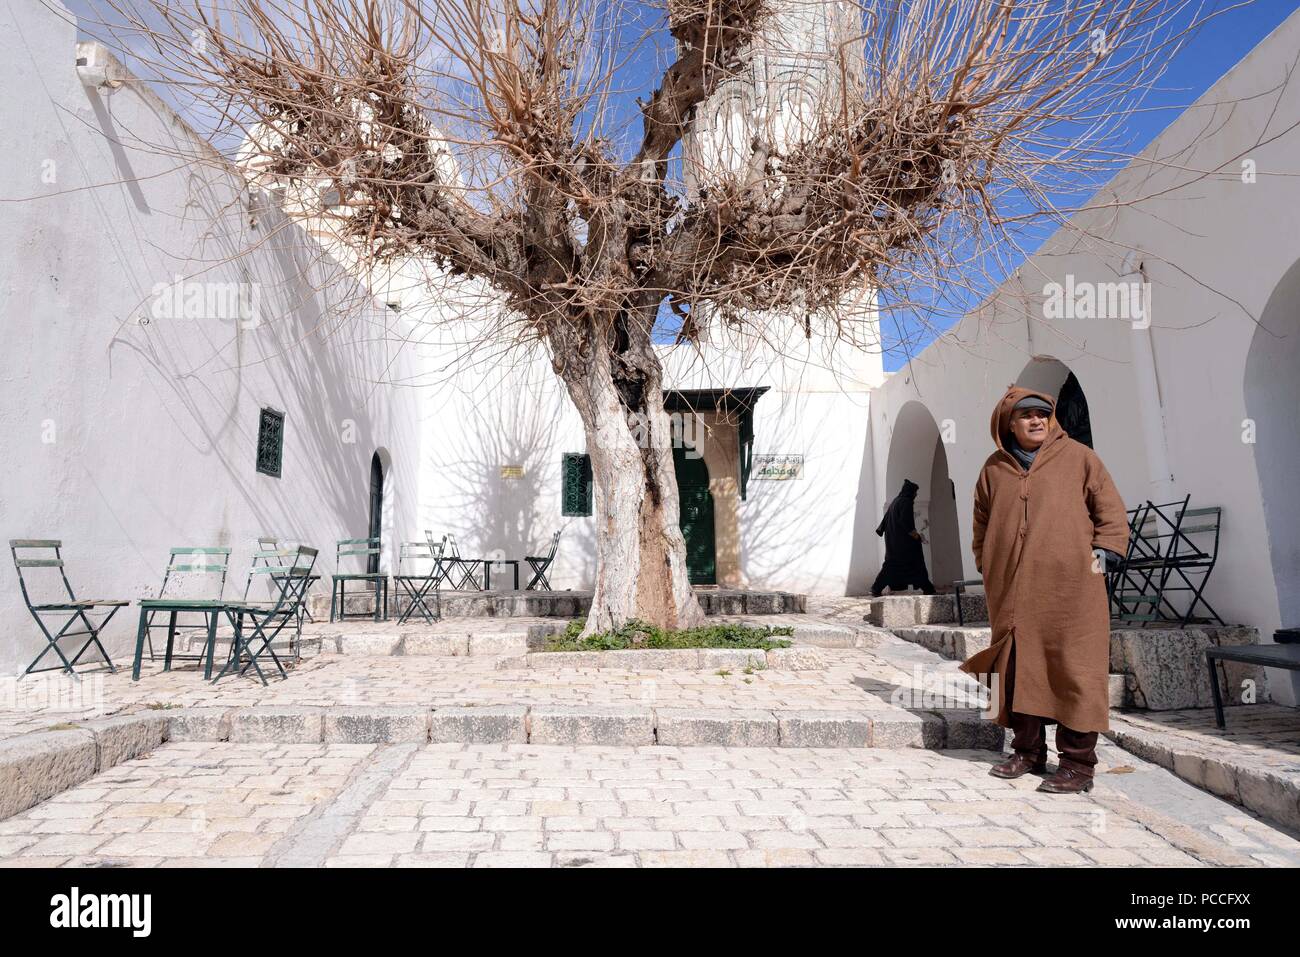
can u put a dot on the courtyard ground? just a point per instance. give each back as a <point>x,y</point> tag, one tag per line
<point>904,798</point>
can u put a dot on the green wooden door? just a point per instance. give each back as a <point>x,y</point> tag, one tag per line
<point>696,518</point>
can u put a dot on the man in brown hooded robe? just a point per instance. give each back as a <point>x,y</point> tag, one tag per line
<point>1048,520</point>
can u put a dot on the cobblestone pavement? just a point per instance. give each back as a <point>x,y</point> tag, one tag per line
<point>485,805</point>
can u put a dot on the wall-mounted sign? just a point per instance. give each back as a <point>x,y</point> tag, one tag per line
<point>777,468</point>
<point>512,471</point>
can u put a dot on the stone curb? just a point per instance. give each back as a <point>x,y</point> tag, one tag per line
<point>37,766</point>
<point>796,658</point>
<point>1272,794</point>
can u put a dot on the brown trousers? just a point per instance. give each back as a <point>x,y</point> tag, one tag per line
<point>1077,749</point>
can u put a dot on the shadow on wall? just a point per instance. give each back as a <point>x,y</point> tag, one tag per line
<point>494,515</point>
<point>305,340</point>
<point>794,535</point>
<point>1272,393</point>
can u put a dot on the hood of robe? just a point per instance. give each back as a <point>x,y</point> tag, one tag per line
<point>1000,426</point>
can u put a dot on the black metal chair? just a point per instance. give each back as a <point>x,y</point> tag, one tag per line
<point>1172,551</point>
<point>75,608</point>
<point>459,571</point>
<point>540,564</point>
<point>958,589</point>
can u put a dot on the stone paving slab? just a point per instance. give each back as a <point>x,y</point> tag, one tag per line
<point>455,805</point>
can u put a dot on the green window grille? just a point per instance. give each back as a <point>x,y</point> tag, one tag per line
<point>270,442</point>
<point>575,472</point>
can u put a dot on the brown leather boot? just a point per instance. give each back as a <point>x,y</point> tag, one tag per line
<point>1067,781</point>
<point>1019,764</point>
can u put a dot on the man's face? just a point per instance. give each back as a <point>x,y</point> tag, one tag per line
<point>1029,426</point>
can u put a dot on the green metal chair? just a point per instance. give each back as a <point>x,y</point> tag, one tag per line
<point>189,570</point>
<point>292,578</point>
<point>417,587</point>
<point>270,551</point>
<point>379,580</point>
<point>75,608</point>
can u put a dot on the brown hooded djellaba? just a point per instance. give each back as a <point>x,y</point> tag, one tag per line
<point>1034,535</point>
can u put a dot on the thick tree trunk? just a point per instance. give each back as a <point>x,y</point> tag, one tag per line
<point>640,551</point>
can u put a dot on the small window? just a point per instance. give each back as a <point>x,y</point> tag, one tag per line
<point>575,473</point>
<point>270,442</point>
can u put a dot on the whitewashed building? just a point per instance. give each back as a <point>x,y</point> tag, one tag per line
<point>155,312</point>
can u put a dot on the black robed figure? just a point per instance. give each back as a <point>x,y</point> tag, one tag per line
<point>904,560</point>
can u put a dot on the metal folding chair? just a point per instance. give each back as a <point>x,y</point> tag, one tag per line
<point>540,564</point>
<point>269,550</point>
<point>75,608</point>
<point>269,565</point>
<point>417,587</point>
<point>293,578</point>
<point>1172,551</point>
<point>459,571</point>
<point>379,580</point>
<point>191,572</point>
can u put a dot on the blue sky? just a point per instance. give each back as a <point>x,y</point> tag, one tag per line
<point>1206,56</point>
<point>1202,60</point>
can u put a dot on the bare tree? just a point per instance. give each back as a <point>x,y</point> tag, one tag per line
<point>486,137</point>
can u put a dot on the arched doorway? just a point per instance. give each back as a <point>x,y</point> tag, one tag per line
<point>376,508</point>
<point>1272,393</point>
<point>917,453</point>
<point>1053,377</point>
<point>696,519</point>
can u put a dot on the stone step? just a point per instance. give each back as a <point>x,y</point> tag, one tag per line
<point>560,604</point>
<point>795,658</point>
<point>949,641</point>
<point>589,725</point>
<point>908,609</point>
<point>1252,763</point>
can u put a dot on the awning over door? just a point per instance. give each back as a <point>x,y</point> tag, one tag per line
<point>738,402</point>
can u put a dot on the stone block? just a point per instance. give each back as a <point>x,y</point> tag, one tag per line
<point>607,725</point>
<point>498,643</point>
<point>893,611</point>
<point>198,724</point>
<point>513,663</point>
<point>556,660</point>
<point>282,725</point>
<point>974,608</point>
<point>495,724</point>
<point>824,729</point>
<point>934,609</point>
<point>720,728</point>
<point>369,643</point>
<point>127,736</point>
<point>418,643</point>
<point>731,659</point>
<point>970,641</point>
<point>34,767</point>
<point>966,729</point>
<point>763,603</point>
<point>376,725</point>
<point>906,729</point>
<point>796,658</point>
<point>1167,665</point>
